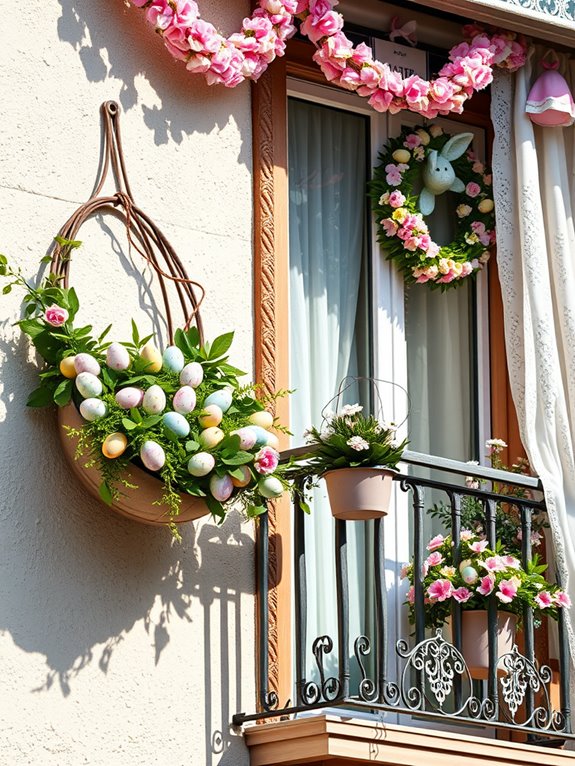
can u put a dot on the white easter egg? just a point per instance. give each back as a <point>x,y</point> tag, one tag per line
<point>192,374</point>
<point>88,385</point>
<point>273,441</point>
<point>247,437</point>
<point>270,487</point>
<point>176,423</point>
<point>86,363</point>
<point>152,455</point>
<point>154,400</point>
<point>263,419</point>
<point>222,399</point>
<point>211,437</point>
<point>201,464</point>
<point>129,397</point>
<point>184,400</point>
<point>211,415</point>
<point>173,359</point>
<point>221,487</point>
<point>92,409</point>
<point>117,357</point>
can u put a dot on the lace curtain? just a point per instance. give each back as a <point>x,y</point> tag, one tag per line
<point>534,190</point>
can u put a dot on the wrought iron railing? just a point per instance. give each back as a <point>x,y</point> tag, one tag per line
<point>421,674</point>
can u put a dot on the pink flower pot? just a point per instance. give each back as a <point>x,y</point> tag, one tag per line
<point>475,643</point>
<point>357,494</point>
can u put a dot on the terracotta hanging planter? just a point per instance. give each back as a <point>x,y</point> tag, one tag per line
<point>475,642</point>
<point>359,494</point>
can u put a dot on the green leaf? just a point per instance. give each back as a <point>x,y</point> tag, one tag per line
<point>73,302</point>
<point>304,507</point>
<point>192,446</point>
<point>216,508</point>
<point>240,458</point>
<point>31,327</point>
<point>135,415</point>
<point>135,334</point>
<point>41,397</point>
<point>63,392</point>
<point>71,243</point>
<point>46,259</point>
<point>182,342</point>
<point>6,289</point>
<point>256,510</point>
<point>237,473</point>
<point>220,345</point>
<point>128,424</point>
<point>106,493</point>
<point>151,421</point>
<point>47,346</point>
<point>103,335</point>
<point>193,337</point>
<point>109,378</point>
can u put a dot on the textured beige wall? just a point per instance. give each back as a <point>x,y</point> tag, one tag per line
<point>116,646</point>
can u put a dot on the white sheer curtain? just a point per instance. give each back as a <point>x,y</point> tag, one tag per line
<point>535,194</point>
<point>327,177</point>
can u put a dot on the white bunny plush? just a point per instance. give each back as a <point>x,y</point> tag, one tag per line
<point>438,173</point>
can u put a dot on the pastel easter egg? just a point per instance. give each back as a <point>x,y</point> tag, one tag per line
<point>264,419</point>
<point>211,437</point>
<point>173,359</point>
<point>114,445</point>
<point>154,400</point>
<point>176,423</point>
<point>270,487</point>
<point>117,357</point>
<point>201,464</point>
<point>222,399</point>
<point>469,575</point>
<point>273,441</point>
<point>88,385</point>
<point>247,437</point>
<point>261,435</point>
<point>129,397</point>
<point>192,374</point>
<point>245,480</point>
<point>152,455</point>
<point>67,367</point>
<point>424,136</point>
<point>184,400</point>
<point>221,487</point>
<point>93,409</point>
<point>152,356</point>
<point>486,205</point>
<point>401,155</point>
<point>210,416</point>
<point>86,363</point>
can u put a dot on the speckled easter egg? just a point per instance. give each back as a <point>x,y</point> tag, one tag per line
<point>401,155</point>
<point>273,441</point>
<point>247,437</point>
<point>117,357</point>
<point>221,487</point>
<point>176,424</point>
<point>261,435</point>
<point>201,464</point>
<point>210,416</point>
<point>270,487</point>
<point>154,400</point>
<point>88,385</point>
<point>93,409</point>
<point>263,419</point>
<point>184,400</point>
<point>469,575</point>
<point>211,437</point>
<point>152,356</point>
<point>222,399</point>
<point>86,363</point>
<point>114,445</point>
<point>129,397</point>
<point>67,367</point>
<point>192,375</point>
<point>173,359</point>
<point>247,477</point>
<point>152,455</point>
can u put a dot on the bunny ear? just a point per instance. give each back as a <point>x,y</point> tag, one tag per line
<point>456,145</point>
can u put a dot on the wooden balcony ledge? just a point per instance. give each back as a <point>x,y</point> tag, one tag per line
<point>326,740</point>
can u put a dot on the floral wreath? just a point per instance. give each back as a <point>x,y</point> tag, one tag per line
<point>401,226</point>
<point>246,54</point>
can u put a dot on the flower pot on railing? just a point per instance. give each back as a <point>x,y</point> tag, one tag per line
<point>475,639</point>
<point>358,494</point>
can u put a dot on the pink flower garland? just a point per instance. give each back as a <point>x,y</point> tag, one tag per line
<point>246,54</point>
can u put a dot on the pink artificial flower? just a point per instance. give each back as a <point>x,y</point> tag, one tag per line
<point>562,599</point>
<point>511,562</point>
<point>55,315</point>
<point>266,460</point>
<point>380,100</point>
<point>478,546</point>
<point>411,595</point>
<point>412,140</point>
<point>389,226</point>
<point>493,564</point>
<point>461,595</point>
<point>465,535</point>
<point>442,90</point>
<point>440,590</point>
<point>203,37</point>
<point>404,571</point>
<point>472,189</point>
<point>486,585</point>
<point>507,590</point>
<point>434,559</point>
<point>411,244</point>
<point>544,599</point>
<point>396,199</point>
<point>435,543</point>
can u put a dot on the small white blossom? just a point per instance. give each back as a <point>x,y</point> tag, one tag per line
<point>308,437</point>
<point>328,415</point>
<point>495,445</point>
<point>357,443</point>
<point>351,409</point>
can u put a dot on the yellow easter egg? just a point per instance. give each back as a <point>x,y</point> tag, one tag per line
<point>211,416</point>
<point>151,354</point>
<point>114,445</point>
<point>263,419</point>
<point>424,136</point>
<point>401,155</point>
<point>211,437</point>
<point>67,367</point>
<point>486,205</point>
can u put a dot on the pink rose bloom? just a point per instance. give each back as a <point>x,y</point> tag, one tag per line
<point>381,100</point>
<point>389,226</point>
<point>507,590</point>
<point>55,315</point>
<point>466,270</point>
<point>404,571</point>
<point>434,559</point>
<point>440,590</point>
<point>203,37</point>
<point>411,244</point>
<point>362,54</point>
<point>544,599</point>
<point>461,595</point>
<point>267,460</point>
<point>411,595</point>
<point>479,546</point>
<point>435,542</point>
<point>412,141</point>
<point>433,250</point>
<point>415,91</point>
<point>486,585</point>
<point>442,90</point>
<point>562,599</point>
<point>425,242</point>
<point>472,189</point>
<point>396,199</point>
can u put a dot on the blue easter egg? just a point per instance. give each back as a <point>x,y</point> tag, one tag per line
<point>176,423</point>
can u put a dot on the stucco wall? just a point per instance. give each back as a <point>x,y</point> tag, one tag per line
<point>116,645</point>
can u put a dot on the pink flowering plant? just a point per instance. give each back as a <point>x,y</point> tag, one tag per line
<point>481,575</point>
<point>403,232</point>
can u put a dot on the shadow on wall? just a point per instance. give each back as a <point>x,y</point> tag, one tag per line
<point>115,42</point>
